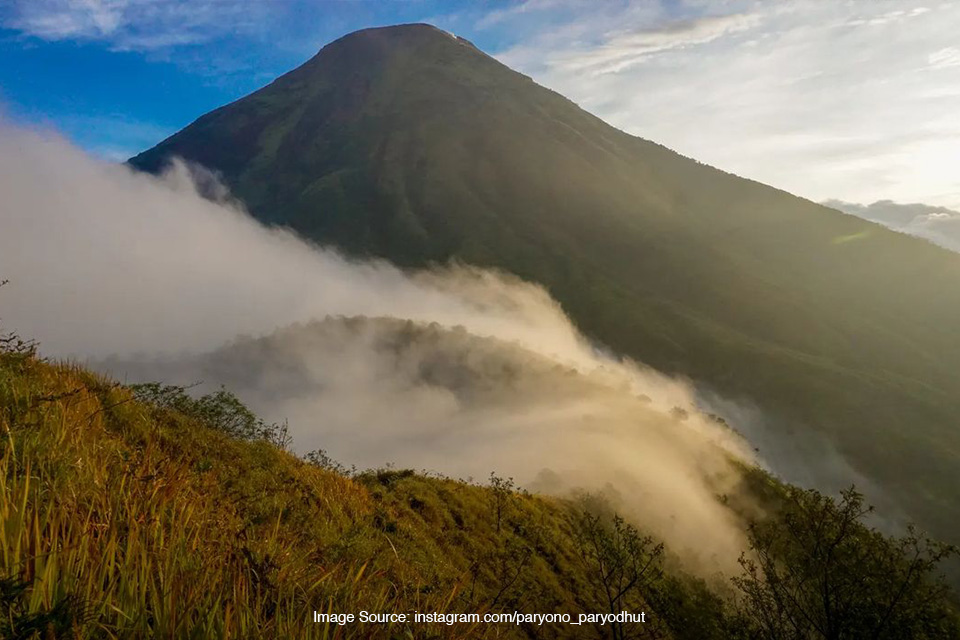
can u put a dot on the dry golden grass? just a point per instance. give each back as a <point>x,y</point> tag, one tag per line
<point>118,520</point>
<point>121,519</point>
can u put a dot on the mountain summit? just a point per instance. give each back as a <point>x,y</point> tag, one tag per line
<point>410,144</point>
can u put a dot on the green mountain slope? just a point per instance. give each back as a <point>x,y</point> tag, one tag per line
<point>410,144</point>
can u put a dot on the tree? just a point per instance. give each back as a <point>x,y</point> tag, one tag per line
<point>501,492</point>
<point>815,570</point>
<point>621,563</point>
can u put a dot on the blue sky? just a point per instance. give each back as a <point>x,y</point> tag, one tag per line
<point>118,87</point>
<point>848,99</point>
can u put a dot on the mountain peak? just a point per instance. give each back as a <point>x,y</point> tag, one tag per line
<point>402,36</point>
<point>408,30</point>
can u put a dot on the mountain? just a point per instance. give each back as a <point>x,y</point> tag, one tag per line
<point>410,144</point>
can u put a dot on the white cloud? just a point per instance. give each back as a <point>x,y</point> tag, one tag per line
<point>498,16</point>
<point>622,50</point>
<point>852,100</point>
<point>946,57</point>
<point>937,224</point>
<point>60,19</point>
<point>477,371</point>
<point>133,25</point>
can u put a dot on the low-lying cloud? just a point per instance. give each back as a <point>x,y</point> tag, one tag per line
<point>375,391</point>
<point>937,224</point>
<point>455,370</point>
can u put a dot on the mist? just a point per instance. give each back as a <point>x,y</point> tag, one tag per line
<point>453,370</point>
<point>102,260</point>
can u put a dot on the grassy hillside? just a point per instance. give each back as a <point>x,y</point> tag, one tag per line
<point>413,145</point>
<point>120,518</point>
<point>131,513</point>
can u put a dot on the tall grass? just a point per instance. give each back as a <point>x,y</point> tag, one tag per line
<point>123,518</point>
<point>118,519</point>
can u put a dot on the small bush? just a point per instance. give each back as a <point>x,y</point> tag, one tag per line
<point>220,411</point>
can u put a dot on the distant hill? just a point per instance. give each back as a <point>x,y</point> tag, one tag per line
<point>411,144</point>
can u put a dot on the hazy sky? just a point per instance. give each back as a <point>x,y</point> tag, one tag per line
<point>856,100</point>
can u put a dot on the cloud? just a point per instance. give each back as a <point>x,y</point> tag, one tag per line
<point>427,396</point>
<point>849,100</point>
<point>944,58</point>
<point>498,16</point>
<point>60,19</point>
<point>937,224</point>
<point>457,370</point>
<point>133,25</point>
<point>198,271</point>
<point>623,50</point>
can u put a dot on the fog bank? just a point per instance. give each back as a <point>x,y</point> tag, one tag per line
<point>455,370</point>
